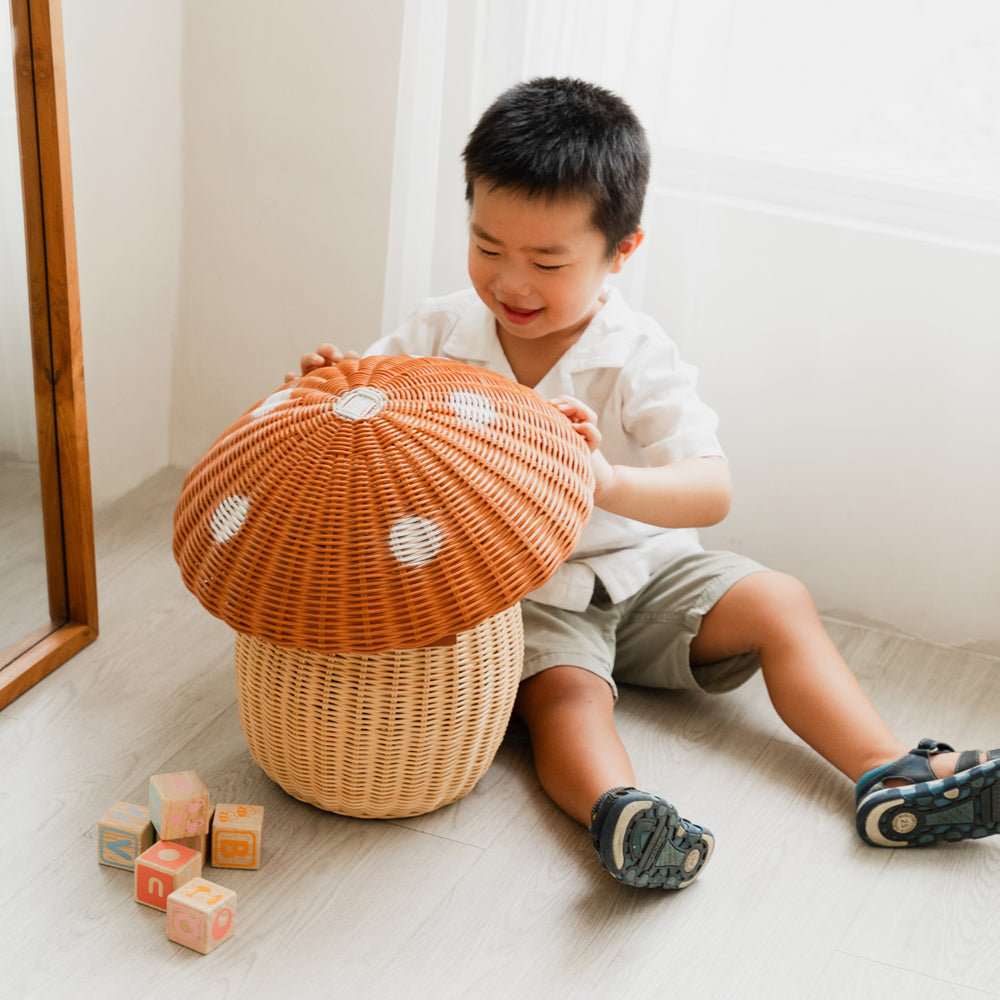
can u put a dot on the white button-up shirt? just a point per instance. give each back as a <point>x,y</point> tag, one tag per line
<point>628,371</point>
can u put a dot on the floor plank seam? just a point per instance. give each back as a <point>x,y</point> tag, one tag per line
<point>889,632</point>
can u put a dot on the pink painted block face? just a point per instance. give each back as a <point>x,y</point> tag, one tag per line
<point>201,915</point>
<point>222,924</point>
<point>186,926</point>
<point>153,885</point>
<point>178,784</point>
<point>179,805</point>
<point>159,870</point>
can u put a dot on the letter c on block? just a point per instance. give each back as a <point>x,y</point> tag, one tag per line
<point>186,927</point>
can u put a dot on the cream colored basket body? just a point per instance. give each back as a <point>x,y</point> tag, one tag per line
<point>380,735</point>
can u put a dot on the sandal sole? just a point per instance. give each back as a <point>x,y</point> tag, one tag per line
<point>963,806</point>
<point>649,846</point>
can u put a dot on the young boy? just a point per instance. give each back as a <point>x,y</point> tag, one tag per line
<point>556,174</point>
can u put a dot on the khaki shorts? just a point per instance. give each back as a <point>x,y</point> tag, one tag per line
<point>645,639</point>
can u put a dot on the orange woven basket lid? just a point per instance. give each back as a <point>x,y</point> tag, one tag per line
<point>382,504</point>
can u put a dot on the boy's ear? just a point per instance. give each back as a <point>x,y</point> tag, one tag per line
<point>626,248</point>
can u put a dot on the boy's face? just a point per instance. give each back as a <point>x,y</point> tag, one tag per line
<point>539,264</point>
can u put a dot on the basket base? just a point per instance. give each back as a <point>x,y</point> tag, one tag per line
<point>380,735</point>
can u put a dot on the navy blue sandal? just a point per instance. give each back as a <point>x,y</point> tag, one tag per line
<point>642,841</point>
<point>929,809</point>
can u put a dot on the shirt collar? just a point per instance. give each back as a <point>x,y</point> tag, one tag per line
<point>608,340</point>
<point>606,343</point>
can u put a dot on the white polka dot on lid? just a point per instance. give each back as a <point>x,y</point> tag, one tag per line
<point>473,407</point>
<point>228,518</point>
<point>271,403</point>
<point>360,404</point>
<point>415,541</point>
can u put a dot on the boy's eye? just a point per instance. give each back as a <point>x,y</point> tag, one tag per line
<point>487,253</point>
<point>550,267</point>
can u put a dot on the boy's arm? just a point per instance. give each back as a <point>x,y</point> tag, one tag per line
<point>690,493</point>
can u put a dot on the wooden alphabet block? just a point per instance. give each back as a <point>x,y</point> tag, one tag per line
<point>179,805</point>
<point>161,869</point>
<point>237,836</point>
<point>201,915</point>
<point>123,833</point>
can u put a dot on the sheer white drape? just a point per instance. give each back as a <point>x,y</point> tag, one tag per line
<point>889,111</point>
<point>456,58</point>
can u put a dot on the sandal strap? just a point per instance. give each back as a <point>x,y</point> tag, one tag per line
<point>914,767</point>
<point>970,758</point>
<point>601,808</point>
<point>931,748</point>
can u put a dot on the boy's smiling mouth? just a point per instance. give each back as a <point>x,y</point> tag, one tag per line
<point>520,317</point>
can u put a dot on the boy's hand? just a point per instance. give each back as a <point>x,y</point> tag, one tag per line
<point>325,356</point>
<point>582,417</point>
<point>689,493</point>
<point>584,422</point>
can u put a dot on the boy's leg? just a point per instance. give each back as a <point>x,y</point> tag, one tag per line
<point>583,766</point>
<point>569,713</point>
<point>813,690</point>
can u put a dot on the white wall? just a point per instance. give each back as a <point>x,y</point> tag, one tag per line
<point>289,126</point>
<point>854,373</point>
<point>123,69</point>
<point>232,165</point>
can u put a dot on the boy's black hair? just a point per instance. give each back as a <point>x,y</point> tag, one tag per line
<point>554,137</point>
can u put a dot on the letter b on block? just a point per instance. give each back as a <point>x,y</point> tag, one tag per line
<point>237,832</point>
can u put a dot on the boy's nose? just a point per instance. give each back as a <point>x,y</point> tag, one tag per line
<point>513,281</point>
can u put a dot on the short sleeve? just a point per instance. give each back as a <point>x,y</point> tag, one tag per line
<point>661,408</point>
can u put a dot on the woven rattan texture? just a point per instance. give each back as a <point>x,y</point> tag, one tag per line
<point>380,735</point>
<point>382,504</point>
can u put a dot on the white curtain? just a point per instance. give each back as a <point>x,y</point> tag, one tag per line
<point>887,111</point>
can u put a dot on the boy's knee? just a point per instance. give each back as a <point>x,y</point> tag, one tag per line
<point>562,684</point>
<point>781,600</point>
<point>775,598</point>
<point>783,590</point>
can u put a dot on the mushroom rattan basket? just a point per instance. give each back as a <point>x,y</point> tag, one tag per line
<point>349,527</point>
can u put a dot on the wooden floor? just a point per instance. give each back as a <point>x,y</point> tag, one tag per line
<point>499,894</point>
